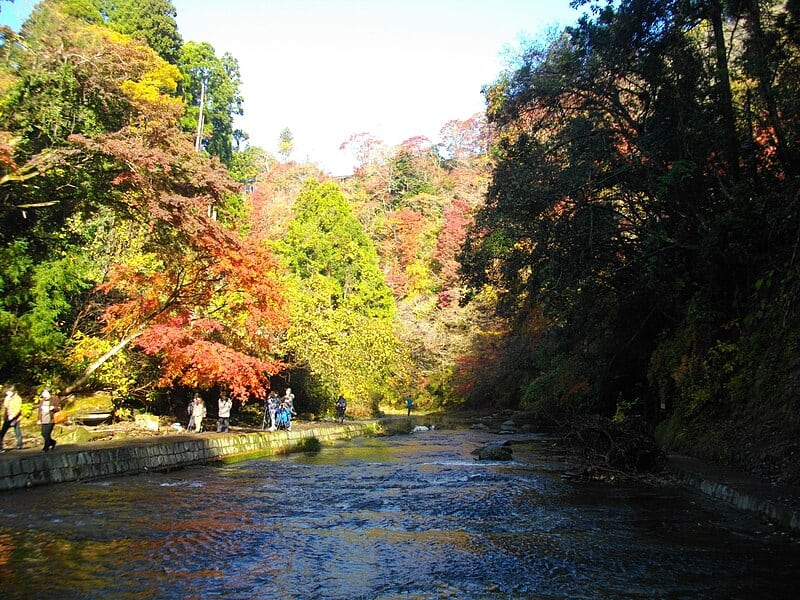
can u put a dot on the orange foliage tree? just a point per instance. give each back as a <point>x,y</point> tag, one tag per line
<point>190,292</point>
<point>457,219</point>
<point>401,247</point>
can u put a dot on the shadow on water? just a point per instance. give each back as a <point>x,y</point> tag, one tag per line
<point>403,517</point>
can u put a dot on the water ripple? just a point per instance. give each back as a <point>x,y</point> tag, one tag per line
<point>410,517</point>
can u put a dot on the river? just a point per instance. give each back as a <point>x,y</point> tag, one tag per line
<point>411,517</point>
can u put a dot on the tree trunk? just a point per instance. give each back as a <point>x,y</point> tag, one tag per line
<point>724,90</point>
<point>99,362</point>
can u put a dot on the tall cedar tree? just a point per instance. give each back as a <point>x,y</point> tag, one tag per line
<point>342,328</point>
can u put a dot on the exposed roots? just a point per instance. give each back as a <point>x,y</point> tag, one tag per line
<point>611,450</point>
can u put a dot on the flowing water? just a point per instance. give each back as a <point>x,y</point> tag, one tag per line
<point>407,517</point>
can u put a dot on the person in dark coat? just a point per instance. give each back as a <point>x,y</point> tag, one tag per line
<point>224,413</point>
<point>341,408</point>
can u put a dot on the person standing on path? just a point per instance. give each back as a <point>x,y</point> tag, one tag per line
<point>272,408</point>
<point>190,411</point>
<point>288,399</point>
<point>409,404</point>
<point>198,413</point>
<point>288,403</point>
<point>46,410</point>
<point>225,405</point>
<point>12,413</point>
<point>341,408</point>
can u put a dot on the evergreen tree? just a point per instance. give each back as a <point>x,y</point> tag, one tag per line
<point>151,21</point>
<point>342,328</point>
<point>217,81</point>
<point>286,143</point>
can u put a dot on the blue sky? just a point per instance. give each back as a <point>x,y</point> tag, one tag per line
<point>328,69</point>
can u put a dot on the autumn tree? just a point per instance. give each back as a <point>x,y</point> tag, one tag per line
<point>367,149</point>
<point>457,220</point>
<point>108,230</point>
<point>64,76</point>
<point>271,205</point>
<point>464,139</point>
<point>67,79</point>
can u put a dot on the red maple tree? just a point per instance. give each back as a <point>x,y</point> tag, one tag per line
<point>207,302</point>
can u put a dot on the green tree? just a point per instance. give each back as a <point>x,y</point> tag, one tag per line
<point>218,81</point>
<point>151,21</point>
<point>342,328</point>
<point>86,10</point>
<point>248,164</point>
<point>286,143</point>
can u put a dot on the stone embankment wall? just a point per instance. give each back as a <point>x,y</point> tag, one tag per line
<point>776,504</point>
<point>23,469</point>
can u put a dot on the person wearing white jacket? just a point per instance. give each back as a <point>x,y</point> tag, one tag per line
<point>198,413</point>
<point>224,414</point>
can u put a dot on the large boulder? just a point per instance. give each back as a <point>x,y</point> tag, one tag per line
<point>89,409</point>
<point>72,435</point>
<point>494,451</point>
<point>508,427</point>
<point>146,421</point>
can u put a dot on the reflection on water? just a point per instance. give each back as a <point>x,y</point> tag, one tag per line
<point>407,517</point>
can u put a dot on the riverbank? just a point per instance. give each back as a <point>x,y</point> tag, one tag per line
<point>80,462</point>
